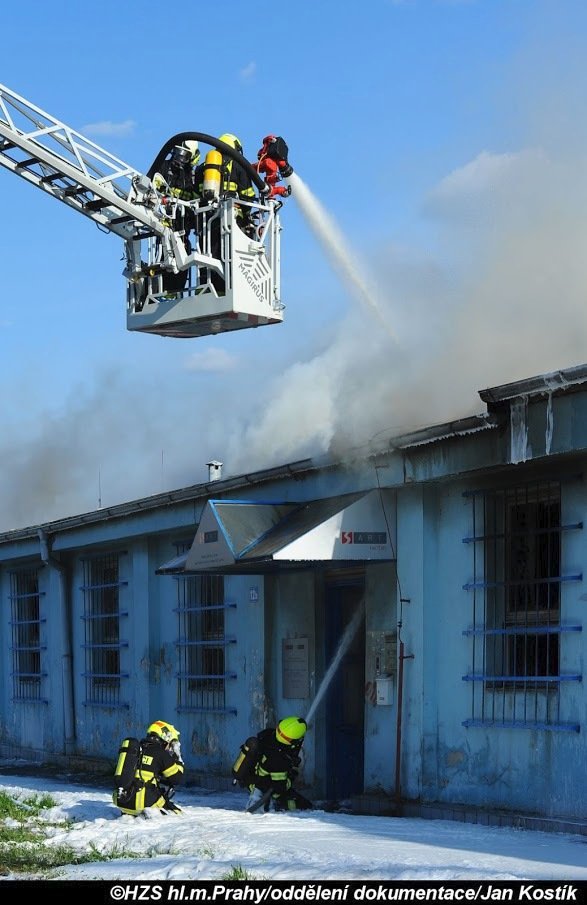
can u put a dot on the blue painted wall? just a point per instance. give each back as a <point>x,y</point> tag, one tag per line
<point>538,772</point>
<point>524,769</point>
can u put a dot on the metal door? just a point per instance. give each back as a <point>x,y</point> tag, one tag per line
<point>345,694</point>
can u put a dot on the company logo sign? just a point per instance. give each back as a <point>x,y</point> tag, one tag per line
<point>246,272</point>
<point>363,537</point>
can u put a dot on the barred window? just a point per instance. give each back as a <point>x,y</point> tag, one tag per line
<point>102,615</point>
<point>532,599</point>
<point>202,643</point>
<point>517,630</point>
<point>27,649</point>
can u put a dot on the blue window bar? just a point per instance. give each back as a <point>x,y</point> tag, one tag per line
<point>103,645</point>
<point>517,626</point>
<point>26,626</point>
<point>202,644</point>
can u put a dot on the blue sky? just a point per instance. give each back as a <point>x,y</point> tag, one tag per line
<point>446,137</point>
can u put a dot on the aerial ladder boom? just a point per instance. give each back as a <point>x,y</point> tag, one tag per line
<point>119,199</point>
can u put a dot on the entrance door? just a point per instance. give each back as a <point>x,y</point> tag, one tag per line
<point>345,700</point>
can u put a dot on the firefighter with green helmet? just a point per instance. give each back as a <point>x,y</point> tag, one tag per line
<point>268,765</point>
<point>148,771</point>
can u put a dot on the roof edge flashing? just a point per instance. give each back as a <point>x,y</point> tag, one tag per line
<point>449,430</point>
<point>554,382</point>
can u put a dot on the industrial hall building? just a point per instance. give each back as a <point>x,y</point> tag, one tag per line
<point>423,607</point>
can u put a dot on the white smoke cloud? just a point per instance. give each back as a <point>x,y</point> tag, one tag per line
<point>508,301</point>
<point>211,359</point>
<point>495,291</point>
<point>507,181</point>
<point>504,301</point>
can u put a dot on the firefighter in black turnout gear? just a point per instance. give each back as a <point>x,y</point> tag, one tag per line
<point>176,178</point>
<point>268,765</point>
<point>148,771</point>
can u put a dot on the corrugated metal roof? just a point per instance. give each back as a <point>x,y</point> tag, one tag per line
<point>556,382</point>
<point>463,427</point>
<point>193,492</point>
<point>542,384</point>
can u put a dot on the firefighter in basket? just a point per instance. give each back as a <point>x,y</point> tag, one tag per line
<point>268,765</point>
<point>148,771</point>
<point>176,179</point>
<point>220,176</point>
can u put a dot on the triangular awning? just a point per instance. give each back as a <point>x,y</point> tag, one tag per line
<point>243,536</point>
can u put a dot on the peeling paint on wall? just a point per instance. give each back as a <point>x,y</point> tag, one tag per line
<point>460,765</point>
<point>204,742</point>
<point>150,670</point>
<point>454,758</point>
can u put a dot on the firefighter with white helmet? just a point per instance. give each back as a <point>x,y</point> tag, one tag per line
<point>176,179</point>
<point>148,771</point>
<point>177,171</point>
<point>194,148</point>
<point>269,763</point>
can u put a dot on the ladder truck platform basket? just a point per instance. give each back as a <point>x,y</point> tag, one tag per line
<point>194,267</point>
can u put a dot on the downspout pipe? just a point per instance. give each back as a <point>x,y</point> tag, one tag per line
<point>48,559</point>
<point>398,738</point>
<point>398,734</point>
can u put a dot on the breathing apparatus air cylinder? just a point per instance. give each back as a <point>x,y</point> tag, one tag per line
<point>212,174</point>
<point>243,769</point>
<point>129,756</point>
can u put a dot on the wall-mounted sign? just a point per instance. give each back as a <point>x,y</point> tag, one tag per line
<point>295,668</point>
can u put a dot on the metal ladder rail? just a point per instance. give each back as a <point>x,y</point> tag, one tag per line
<point>73,169</point>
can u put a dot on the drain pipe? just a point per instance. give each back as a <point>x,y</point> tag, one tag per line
<point>67,659</point>
<point>398,737</point>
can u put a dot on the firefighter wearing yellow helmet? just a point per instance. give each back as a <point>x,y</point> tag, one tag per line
<point>269,763</point>
<point>148,771</point>
<point>236,180</point>
<point>231,180</point>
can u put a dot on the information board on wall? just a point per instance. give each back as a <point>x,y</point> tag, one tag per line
<point>295,666</point>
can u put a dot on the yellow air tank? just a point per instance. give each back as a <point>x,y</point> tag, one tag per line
<point>212,174</point>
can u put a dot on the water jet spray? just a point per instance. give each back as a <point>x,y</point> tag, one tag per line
<point>345,642</point>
